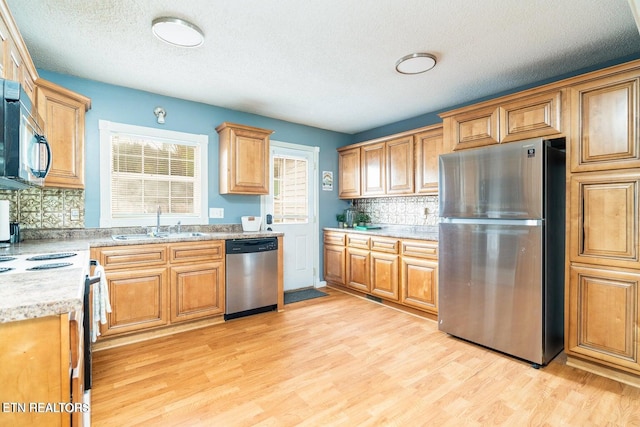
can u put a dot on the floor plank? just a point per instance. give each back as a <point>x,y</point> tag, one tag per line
<point>342,361</point>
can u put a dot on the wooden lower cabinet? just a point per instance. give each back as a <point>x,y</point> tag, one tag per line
<point>358,269</point>
<point>42,364</point>
<point>603,314</point>
<point>139,300</point>
<point>155,285</point>
<point>419,283</point>
<point>401,271</point>
<point>384,275</point>
<point>196,291</point>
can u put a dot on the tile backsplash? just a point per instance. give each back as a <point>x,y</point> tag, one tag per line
<point>410,210</point>
<point>36,208</point>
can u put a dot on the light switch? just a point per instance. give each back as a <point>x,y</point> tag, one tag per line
<point>216,212</point>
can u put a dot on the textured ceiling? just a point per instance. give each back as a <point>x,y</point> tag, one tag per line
<point>328,63</point>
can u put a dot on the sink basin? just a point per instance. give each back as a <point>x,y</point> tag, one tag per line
<point>138,237</point>
<point>155,236</point>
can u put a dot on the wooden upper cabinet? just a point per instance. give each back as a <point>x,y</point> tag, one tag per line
<point>63,112</point>
<point>604,123</point>
<point>531,117</point>
<point>373,169</point>
<point>349,173</point>
<point>429,145</point>
<point>605,211</point>
<point>475,128</point>
<point>400,176</point>
<point>244,159</point>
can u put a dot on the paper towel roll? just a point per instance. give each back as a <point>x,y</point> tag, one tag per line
<point>4,221</point>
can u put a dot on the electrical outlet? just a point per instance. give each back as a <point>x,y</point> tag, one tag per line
<point>74,214</point>
<point>216,212</point>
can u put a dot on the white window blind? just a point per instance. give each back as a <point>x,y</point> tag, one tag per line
<point>147,168</point>
<point>147,174</point>
<point>290,190</point>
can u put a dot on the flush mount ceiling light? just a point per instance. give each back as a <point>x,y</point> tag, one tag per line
<point>177,32</point>
<point>415,63</point>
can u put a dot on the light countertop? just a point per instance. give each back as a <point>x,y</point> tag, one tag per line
<point>424,232</point>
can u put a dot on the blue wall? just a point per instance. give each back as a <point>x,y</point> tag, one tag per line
<point>124,105</point>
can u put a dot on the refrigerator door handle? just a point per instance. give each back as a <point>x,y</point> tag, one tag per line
<point>484,221</point>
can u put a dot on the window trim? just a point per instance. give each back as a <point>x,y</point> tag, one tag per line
<point>108,128</point>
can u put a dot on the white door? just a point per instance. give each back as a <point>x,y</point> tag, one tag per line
<point>292,204</point>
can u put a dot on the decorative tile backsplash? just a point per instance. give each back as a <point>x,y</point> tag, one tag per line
<point>411,210</point>
<point>36,208</point>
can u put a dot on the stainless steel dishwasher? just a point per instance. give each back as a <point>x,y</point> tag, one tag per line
<point>251,276</point>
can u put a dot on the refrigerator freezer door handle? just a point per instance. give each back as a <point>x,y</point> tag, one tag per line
<point>485,221</point>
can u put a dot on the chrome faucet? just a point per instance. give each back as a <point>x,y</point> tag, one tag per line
<point>158,223</point>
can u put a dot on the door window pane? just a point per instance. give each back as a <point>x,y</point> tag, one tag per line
<point>290,190</point>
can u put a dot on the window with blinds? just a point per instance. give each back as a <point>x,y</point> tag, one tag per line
<point>147,174</point>
<point>290,190</point>
<point>150,168</point>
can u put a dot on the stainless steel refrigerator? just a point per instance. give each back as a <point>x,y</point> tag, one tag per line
<point>501,247</point>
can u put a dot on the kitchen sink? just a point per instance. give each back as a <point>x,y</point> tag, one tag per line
<point>155,236</point>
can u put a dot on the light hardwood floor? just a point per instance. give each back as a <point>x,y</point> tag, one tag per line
<point>343,361</point>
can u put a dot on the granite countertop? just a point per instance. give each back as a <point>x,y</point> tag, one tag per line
<point>46,293</point>
<point>419,232</point>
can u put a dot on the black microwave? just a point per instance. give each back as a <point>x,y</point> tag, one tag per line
<point>25,154</point>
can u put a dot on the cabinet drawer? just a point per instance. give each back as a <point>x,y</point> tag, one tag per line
<point>381,244</point>
<point>420,249</point>
<point>358,241</point>
<point>118,257</point>
<point>196,251</point>
<point>332,238</point>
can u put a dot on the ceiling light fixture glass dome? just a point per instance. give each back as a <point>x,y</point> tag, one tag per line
<point>415,63</point>
<point>177,32</point>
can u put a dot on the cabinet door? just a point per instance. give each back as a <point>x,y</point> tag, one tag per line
<point>400,176</point>
<point>604,218</point>
<point>244,159</point>
<point>349,173</point>
<point>63,112</point>
<point>384,275</point>
<point>472,129</point>
<point>334,264</point>
<point>197,290</point>
<point>139,300</point>
<point>373,166</point>
<point>603,316</point>
<point>419,284</point>
<point>604,123</point>
<point>358,269</point>
<point>531,117</point>
<point>429,146</point>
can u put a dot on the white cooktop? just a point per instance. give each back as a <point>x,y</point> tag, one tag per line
<point>28,263</point>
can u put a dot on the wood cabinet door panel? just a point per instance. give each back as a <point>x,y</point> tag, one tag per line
<point>64,114</point>
<point>139,300</point>
<point>349,173</point>
<point>197,291</point>
<point>531,117</point>
<point>358,269</point>
<point>473,129</point>
<point>196,251</point>
<point>419,284</point>
<point>334,264</point>
<point>373,169</point>
<point>429,146</point>
<point>384,244</point>
<point>604,218</point>
<point>400,175</point>
<point>384,275</point>
<point>603,316</point>
<point>605,124</point>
